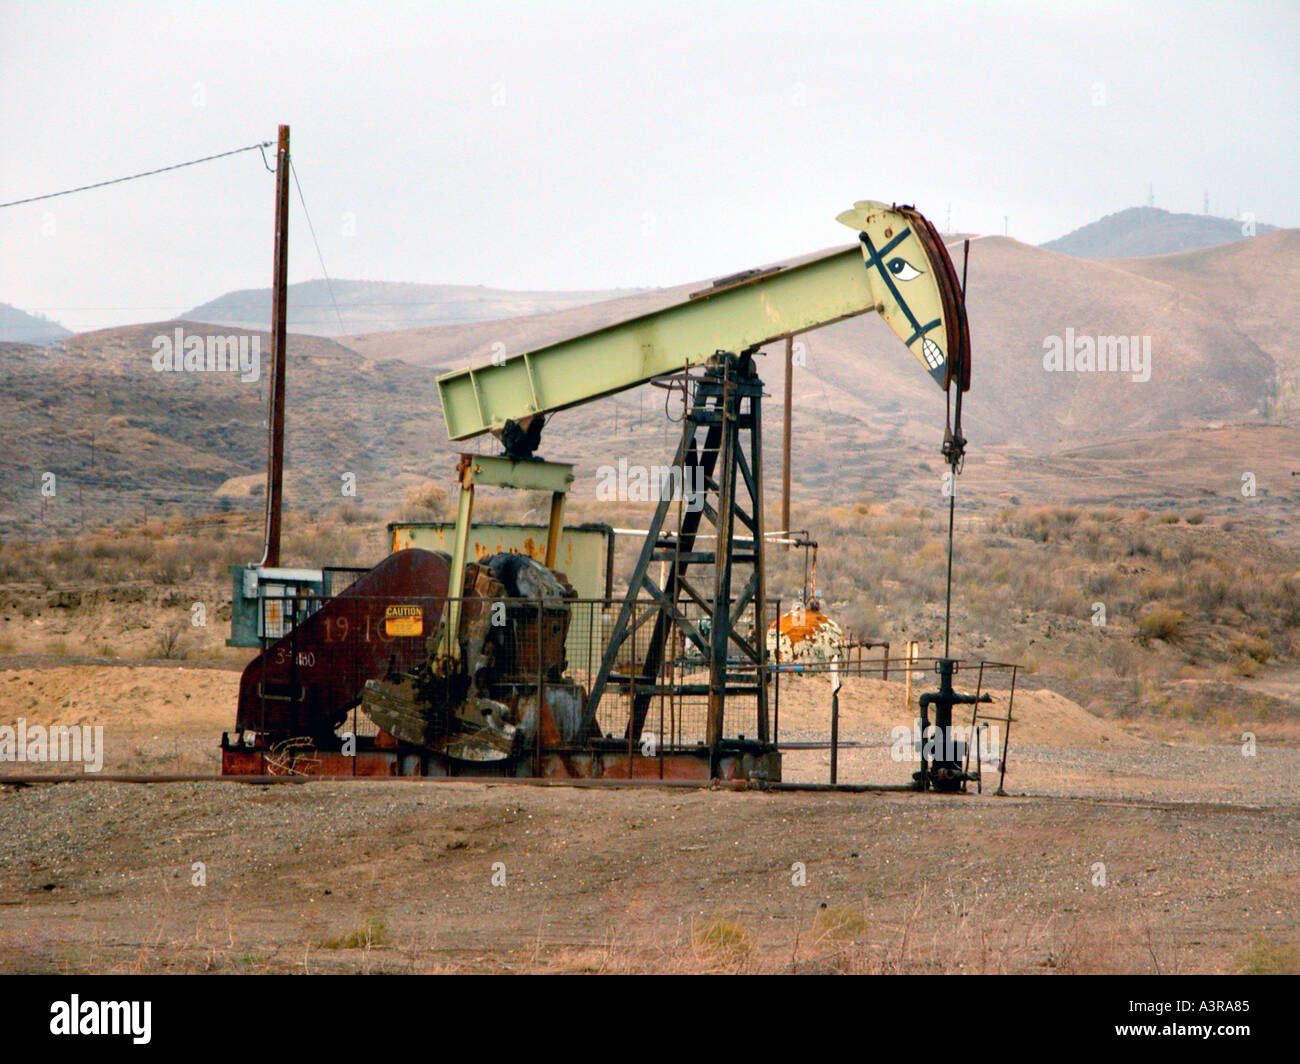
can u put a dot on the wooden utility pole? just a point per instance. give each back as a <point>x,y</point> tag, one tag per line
<point>275,401</point>
<point>785,443</point>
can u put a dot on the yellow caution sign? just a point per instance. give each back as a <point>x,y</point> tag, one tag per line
<point>404,620</point>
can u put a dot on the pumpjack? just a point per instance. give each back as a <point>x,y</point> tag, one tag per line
<point>462,687</point>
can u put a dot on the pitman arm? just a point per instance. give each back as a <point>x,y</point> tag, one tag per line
<point>901,270</point>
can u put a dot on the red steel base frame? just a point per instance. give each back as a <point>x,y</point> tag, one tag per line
<point>385,757</point>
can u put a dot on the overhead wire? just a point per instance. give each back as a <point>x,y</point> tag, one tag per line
<point>135,177</point>
<point>319,257</point>
<point>261,146</point>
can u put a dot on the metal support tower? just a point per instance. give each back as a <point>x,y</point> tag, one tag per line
<point>720,459</point>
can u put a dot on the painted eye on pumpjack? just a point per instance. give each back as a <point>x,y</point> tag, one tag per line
<point>902,269</point>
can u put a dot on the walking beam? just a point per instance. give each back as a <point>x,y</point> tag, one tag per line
<point>738,313</point>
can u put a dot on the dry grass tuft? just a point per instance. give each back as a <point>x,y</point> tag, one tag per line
<point>371,934</point>
<point>723,939</point>
<point>1266,957</point>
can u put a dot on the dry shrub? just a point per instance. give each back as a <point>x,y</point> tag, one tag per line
<point>351,514</point>
<point>1162,622</point>
<point>1256,647</point>
<point>169,640</point>
<point>429,499</point>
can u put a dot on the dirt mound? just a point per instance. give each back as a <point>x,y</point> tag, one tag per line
<point>161,719</point>
<point>127,695</point>
<point>244,487</point>
<point>870,708</point>
<point>204,699</point>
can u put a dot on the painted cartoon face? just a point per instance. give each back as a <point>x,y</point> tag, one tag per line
<point>915,287</point>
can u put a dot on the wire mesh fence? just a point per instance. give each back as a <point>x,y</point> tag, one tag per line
<point>542,659</point>
<point>312,678</point>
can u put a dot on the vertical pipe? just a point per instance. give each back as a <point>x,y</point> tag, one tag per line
<point>541,679</point>
<point>275,402</point>
<point>719,634</point>
<point>776,679</point>
<point>760,565</point>
<point>1006,735</point>
<point>553,530</point>
<point>633,734</point>
<point>662,740</point>
<point>449,645</point>
<point>785,440</point>
<point>910,657</point>
<point>835,719</point>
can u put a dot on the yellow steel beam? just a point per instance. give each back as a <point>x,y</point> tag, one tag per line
<point>748,311</point>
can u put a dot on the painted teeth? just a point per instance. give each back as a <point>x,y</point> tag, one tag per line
<point>933,356</point>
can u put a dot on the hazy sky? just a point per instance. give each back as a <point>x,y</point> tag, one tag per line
<point>561,145</point>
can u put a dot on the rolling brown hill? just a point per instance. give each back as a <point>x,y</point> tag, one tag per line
<point>125,441</point>
<point>338,307</point>
<point>1204,367</point>
<point>1222,325</point>
<point>1253,285</point>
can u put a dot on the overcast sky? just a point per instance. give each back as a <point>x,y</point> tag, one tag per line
<point>558,145</point>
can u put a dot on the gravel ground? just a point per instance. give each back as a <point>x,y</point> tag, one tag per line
<point>101,877</point>
<point>1163,772</point>
<point>1111,853</point>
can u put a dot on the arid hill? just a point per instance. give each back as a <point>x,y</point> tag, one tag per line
<point>1150,231</point>
<point>125,440</point>
<point>1254,285</point>
<point>337,307</point>
<point>19,327</point>
<point>1203,366</point>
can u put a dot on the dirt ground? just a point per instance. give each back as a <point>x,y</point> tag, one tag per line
<point>1112,852</point>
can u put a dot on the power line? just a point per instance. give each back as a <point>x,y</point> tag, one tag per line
<point>429,302</point>
<point>360,303</point>
<point>312,229</point>
<point>132,177</point>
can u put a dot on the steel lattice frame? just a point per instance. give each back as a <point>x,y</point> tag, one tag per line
<point>720,450</point>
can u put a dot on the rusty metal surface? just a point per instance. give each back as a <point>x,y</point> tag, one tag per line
<point>585,552</point>
<point>954,299</point>
<point>598,783</point>
<point>322,764</point>
<point>514,706</point>
<point>575,767</point>
<point>304,684</point>
<point>805,633</point>
<point>471,706</point>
